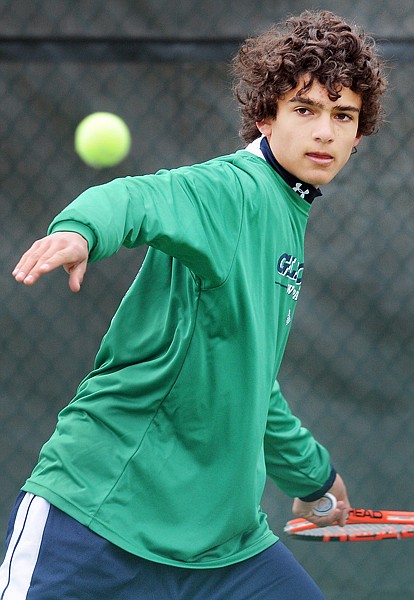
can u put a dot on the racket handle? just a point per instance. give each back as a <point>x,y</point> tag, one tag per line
<point>325,505</point>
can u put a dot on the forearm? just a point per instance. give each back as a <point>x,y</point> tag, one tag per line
<point>106,217</point>
<point>178,212</point>
<point>295,461</point>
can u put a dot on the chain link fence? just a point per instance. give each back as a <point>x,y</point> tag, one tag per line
<point>164,68</point>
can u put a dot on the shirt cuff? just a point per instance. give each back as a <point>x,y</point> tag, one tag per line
<point>322,491</point>
<point>75,227</point>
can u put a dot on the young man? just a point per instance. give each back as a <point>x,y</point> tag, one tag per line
<point>150,486</point>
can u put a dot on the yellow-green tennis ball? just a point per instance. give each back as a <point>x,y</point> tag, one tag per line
<point>102,139</point>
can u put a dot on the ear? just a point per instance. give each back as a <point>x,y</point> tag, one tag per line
<point>264,127</point>
<point>358,138</point>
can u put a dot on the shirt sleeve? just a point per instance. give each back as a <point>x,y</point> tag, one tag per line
<point>193,214</point>
<point>295,461</point>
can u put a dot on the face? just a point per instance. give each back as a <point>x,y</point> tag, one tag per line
<point>312,136</point>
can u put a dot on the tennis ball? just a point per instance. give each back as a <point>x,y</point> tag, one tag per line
<point>102,139</point>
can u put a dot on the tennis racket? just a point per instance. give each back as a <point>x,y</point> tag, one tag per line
<point>362,525</point>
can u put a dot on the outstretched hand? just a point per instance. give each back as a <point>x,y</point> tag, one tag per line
<point>340,514</point>
<point>61,249</point>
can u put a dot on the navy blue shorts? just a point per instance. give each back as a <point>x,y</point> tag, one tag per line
<point>51,556</point>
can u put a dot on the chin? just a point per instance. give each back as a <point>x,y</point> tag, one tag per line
<point>319,181</point>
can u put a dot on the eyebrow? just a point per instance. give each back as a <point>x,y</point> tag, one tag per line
<point>309,102</point>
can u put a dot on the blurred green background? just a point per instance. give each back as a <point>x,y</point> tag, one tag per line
<point>164,68</point>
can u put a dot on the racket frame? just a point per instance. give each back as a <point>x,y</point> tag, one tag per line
<point>361,525</point>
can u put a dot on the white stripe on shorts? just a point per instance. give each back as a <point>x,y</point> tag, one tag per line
<point>21,556</point>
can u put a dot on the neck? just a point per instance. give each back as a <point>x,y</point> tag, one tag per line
<point>305,190</point>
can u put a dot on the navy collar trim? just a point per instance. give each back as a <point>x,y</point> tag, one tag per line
<point>305,190</point>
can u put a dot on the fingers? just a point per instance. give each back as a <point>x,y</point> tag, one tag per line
<point>339,515</point>
<point>340,492</point>
<point>344,513</point>
<point>33,263</point>
<point>67,249</point>
<point>305,510</point>
<point>76,275</point>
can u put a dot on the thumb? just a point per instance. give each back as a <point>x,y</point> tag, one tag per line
<point>76,275</point>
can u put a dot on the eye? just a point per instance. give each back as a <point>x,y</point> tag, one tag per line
<point>344,117</point>
<point>302,110</point>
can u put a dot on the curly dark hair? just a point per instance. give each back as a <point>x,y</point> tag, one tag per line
<point>316,44</point>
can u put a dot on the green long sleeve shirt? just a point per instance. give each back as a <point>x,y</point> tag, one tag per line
<point>165,447</point>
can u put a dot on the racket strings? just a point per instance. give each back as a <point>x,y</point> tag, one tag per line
<point>355,532</point>
<point>359,528</point>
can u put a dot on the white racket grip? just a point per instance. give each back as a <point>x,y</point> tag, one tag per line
<point>325,505</point>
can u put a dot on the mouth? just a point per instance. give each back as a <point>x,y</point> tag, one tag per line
<point>320,158</point>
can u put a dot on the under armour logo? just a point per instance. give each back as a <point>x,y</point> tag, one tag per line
<point>297,189</point>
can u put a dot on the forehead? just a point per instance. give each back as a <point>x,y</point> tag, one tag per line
<point>318,93</point>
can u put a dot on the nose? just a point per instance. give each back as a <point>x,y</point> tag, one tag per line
<point>324,129</point>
